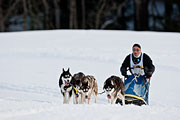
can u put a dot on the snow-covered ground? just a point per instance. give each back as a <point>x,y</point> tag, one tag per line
<point>31,62</point>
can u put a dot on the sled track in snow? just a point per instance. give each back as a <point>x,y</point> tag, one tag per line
<point>31,89</point>
<point>25,105</point>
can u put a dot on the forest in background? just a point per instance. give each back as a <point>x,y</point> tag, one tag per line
<point>139,15</point>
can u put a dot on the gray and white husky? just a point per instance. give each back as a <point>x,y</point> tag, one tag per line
<point>76,82</point>
<point>114,88</point>
<point>88,87</point>
<point>65,85</point>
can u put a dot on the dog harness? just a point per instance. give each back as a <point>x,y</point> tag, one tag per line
<point>137,69</point>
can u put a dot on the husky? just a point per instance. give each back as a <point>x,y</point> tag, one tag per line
<point>65,85</point>
<point>76,82</point>
<point>88,87</point>
<point>114,88</point>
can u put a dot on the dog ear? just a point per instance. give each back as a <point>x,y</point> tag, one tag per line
<point>104,83</point>
<point>68,70</point>
<point>63,70</point>
<point>104,87</point>
<point>112,83</point>
<point>86,83</point>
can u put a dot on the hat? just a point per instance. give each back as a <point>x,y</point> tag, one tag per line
<point>137,45</point>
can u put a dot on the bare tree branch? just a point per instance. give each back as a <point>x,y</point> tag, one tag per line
<point>25,14</point>
<point>2,26</point>
<point>83,14</point>
<point>73,15</point>
<point>11,8</point>
<point>46,6</point>
<point>57,13</point>
<point>99,13</point>
<point>34,17</point>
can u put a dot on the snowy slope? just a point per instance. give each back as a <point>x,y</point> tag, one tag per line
<point>31,62</point>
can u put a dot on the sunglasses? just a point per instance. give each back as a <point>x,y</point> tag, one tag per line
<point>134,50</point>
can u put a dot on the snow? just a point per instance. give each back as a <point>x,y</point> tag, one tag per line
<point>31,62</point>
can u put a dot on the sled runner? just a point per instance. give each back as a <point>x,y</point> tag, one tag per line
<point>136,90</point>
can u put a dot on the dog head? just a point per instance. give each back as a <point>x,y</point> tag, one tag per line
<point>109,88</point>
<point>66,77</point>
<point>85,87</point>
<point>77,78</point>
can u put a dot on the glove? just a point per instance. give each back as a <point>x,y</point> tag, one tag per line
<point>147,72</point>
<point>124,72</point>
<point>148,75</point>
<point>126,76</point>
<point>148,80</point>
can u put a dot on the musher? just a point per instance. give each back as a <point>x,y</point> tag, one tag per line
<point>140,65</point>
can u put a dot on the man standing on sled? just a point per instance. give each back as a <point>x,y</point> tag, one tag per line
<point>137,85</point>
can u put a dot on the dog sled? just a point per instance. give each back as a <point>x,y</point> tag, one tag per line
<point>136,90</point>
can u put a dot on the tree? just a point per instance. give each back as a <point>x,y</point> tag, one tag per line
<point>5,13</point>
<point>2,26</point>
<point>57,14</point>
<point>172,15</point>
<point>141,15</point>
<point>25,14</point>
<point>83,14</point>
<point>102,4</point>
<point>46,15</point>
<point>73,15</point>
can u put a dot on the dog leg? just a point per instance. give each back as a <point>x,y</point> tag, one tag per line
<point>68,100</point>
<point>79,98</point>
<point>69,96</point>
<point>74,98</point>
<point>86,98</point>
<point>122,98</point>
<point>95,93</point>
<point>86,101</point>
<point>89,100</point>
<point>64,101</point>
<point>113,100</point>
<point>95,96</point>
<point>82,98</point>
<point>65,96</point>
<point>109,100</point>
<point>89,97</point>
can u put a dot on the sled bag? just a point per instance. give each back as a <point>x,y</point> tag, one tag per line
<point>137,88</point>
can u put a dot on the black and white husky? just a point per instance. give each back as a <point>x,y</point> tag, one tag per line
<point>88,87</point>
<point>114,88</point>
<point>76,82</point>
<point>65,85</point>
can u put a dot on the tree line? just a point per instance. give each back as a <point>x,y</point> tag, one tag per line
<point>153,15</point>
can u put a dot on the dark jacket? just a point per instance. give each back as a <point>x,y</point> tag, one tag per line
<point>147,63</point>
